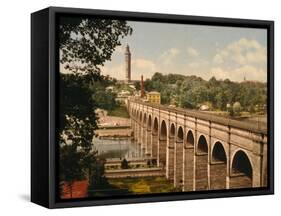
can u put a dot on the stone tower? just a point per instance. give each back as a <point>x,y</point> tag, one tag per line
<point>127,64</point>
<point>142,87</point>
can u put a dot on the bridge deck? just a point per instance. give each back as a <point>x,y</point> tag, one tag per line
<point>259,127</point>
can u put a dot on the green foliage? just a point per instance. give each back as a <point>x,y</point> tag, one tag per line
<point>97,178</point>
<point>236,108</point>
<point>137,85</point>
<point>103,98</point>
<point>142,185</point>
<point>192,92</point>
<point>119,111</point>
<point>77,123</point>
<point>76,106</point>
<point>85,44</point>
<point>70,163</point>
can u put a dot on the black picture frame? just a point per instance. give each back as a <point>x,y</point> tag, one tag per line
<point>44,102</point>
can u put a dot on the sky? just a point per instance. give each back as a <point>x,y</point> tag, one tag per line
<point>205,51</point>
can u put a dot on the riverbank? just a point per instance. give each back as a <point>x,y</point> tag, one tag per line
<point>108,121</point>
<point>114,133</point>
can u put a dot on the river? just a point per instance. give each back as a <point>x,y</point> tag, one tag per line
<point>116,147</point>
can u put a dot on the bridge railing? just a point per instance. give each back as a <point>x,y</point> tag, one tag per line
<point>259,127</point>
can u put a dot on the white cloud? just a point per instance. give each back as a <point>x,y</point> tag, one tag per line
<point>218,59</point>
<point>143,64</point>
<point>238,74</point>
<point>239,59</point>
<point>116,71</point>
<point>167,56</point>
<point>244,51</point>
<point>192,52</point>
<point>143,67</point>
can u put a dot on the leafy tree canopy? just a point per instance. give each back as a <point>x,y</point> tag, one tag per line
<point>193,91</point>
<point>86,43</point>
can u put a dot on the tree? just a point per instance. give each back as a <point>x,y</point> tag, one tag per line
<point>137,85</point>
<point>229,109</point>
<point>236,108</point>
<point>221,100</point>
<point>104,99</point>
<point>85,44</point>
<point>193,91</point>
<point>70,164</point>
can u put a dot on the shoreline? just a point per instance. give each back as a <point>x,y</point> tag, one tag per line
<point>114,133</point>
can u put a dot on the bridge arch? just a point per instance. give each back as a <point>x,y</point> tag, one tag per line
<point>149,123</point>
<point>143,133</point>
<point>219,153</point>
<point>154,142</point>
<point>202,146</point>
<point>155,126</point>
<point>241,163</point>
<point>172,130</point>
<point>139,129</point>
<point>201,172</point>
<point>163,138</point>
<point>241,170</point>
<point>140,118</point>
<point>188,170</point>
<point>178,181</point>
<point>163,130</point>
<point>148,142</point>
<point>171,152</point>
<point>180,134</point>
<point>144,119</point>
<point>218,167</point>
<point>189,138</point>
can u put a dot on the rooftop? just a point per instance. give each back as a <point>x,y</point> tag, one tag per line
<point>153,92</point>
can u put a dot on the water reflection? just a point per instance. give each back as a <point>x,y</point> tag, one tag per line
<point>116,147</point>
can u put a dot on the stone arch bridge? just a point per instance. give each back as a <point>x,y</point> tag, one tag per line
<point>200,151</point>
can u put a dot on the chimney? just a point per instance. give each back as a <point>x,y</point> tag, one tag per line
<point>142,87</point>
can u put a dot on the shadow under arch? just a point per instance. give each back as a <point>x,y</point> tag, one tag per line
<point>154,141</point>
<point>218,168</point>
<point>148,152</point>
<point>188,169</point>
<point>189,138</point>
<point>172,130</point>
<point>163,140</point>
<point>170,152</point>
<point>180,134</point>
<point>201,172</point>
<point>178,181</point>
<point>144,119</point>
<point>241,171</point>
